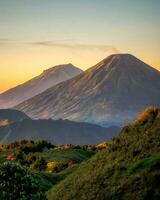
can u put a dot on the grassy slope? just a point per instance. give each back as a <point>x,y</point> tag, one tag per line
<point>47,180</point>
<point>128,169</point>
<point>64,155</point>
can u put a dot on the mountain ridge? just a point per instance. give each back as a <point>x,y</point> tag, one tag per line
<point>19,126</point>
<point>38,84</point>
<point>12,115</point>
<point>116,88</point>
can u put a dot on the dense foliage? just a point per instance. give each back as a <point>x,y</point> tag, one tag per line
<point>18,183</point>
<point>28,146</point>
<point>39,165</point>
<point>128,169</point>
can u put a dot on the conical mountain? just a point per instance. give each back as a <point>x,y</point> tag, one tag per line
<point>114,90</point>
<point>45,80</point>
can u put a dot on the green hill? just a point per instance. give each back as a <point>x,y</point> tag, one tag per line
<point>64,155</point>
<point>128,169</point>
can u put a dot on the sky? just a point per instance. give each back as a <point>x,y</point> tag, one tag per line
<point>38,34</point>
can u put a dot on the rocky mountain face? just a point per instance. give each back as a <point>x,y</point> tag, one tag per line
<point>47,79</point>
<point>114,90</point>
<point>21,127</point>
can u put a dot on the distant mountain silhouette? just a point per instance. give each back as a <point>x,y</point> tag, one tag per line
<point>114,90</point>
<point>56,131</point>
<point>12,115</point>
<point>47,79</point>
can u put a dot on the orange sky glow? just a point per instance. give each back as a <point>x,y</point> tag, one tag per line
<point>36,35</point>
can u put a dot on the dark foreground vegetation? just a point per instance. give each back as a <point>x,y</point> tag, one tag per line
<point>28,169</point>
<point>126,168</point>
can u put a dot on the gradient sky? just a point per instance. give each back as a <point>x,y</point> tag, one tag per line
<point>38,34</point>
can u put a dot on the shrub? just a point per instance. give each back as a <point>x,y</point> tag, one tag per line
<point>40,164</point>
<point>18,183</point>
<point>20,158</point>
<point>56,166</point>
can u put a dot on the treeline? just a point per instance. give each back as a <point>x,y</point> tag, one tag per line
<point>27,146</point>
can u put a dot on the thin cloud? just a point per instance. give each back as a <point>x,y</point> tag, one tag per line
<point>75,46</point>
<point>4,40</point>
<point>7,41</point>
<point>65,44</point>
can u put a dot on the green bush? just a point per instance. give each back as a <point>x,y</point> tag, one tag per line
<point>20,157</point>
<point>17,183</point>
<point>40,164</point>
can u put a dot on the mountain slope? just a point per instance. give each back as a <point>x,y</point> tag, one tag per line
<point>128,169</point>
<point>113,90</point>
<point>55,131</point>
<point>47,79</point>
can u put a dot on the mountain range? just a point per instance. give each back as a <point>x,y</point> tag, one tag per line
<point>45,80</point>
<point>112,91</point>
<point>16,126</point>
